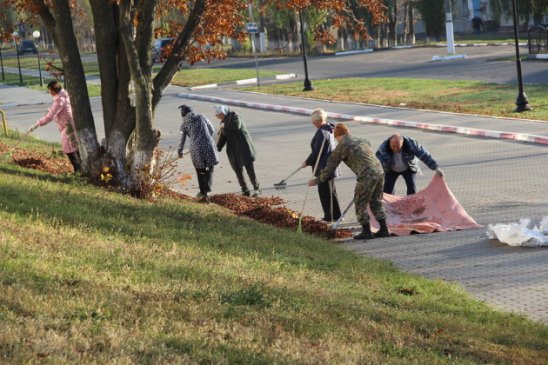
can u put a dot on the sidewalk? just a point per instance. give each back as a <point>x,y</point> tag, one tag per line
<point>508,172</point>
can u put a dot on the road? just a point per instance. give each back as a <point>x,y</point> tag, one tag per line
<point>482,64</point>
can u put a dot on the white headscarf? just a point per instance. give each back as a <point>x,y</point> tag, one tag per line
<point>221,109</point>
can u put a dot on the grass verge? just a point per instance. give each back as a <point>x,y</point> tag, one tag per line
<point>34,83</point>
<point>92,277</point>
<point>472,97</point>
<point>189,77</point>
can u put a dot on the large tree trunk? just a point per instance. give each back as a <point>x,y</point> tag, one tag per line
<point>58,21</point>
<point>411,18</point>
<point>392,24</point>
<point>144,138</point>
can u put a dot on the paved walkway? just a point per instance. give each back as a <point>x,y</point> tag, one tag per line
<point>496,181</point>
<point>509,278</point>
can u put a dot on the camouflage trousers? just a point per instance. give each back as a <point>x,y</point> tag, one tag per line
<point>368,191</point>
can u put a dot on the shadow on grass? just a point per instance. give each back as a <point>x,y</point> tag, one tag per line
<point>18,171</point>
<point>180,223</point>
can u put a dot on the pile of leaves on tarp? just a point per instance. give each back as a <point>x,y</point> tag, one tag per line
<point>54,163</point>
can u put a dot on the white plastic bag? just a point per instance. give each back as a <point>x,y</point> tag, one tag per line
<point>519,234</point>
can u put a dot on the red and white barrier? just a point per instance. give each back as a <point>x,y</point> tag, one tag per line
<point>530,138</point>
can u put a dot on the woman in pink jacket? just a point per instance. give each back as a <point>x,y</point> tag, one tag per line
<point>61,111</point>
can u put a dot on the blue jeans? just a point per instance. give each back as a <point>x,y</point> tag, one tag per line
<point>391,177</point>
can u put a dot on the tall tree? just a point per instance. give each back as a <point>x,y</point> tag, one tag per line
<point>433,15</point>
<point>124,31</point>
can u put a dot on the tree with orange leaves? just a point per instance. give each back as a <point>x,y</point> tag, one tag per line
<point>124,31</point>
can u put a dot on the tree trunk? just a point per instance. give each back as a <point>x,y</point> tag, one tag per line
<point>59,25</point>
<point>144,138</point>
<point>164,77</point>
<point>392,24</point>
<point>411,17</point>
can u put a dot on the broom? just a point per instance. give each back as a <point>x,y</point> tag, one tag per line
<point>299,227</point>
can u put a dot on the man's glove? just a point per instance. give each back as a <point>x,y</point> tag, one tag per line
<point>439,172</point>
<point>180,153</point>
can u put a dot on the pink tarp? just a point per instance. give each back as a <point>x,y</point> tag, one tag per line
<point>434,209</point>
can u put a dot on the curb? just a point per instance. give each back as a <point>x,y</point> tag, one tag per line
<point>449,57</point>
<point>522,137</point>
<point>243,82</point>
<point>483,44</point>
<point>358,51</point>
<point>13,105</point>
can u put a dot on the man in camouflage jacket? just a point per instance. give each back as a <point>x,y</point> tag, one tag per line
<point>357,154</point>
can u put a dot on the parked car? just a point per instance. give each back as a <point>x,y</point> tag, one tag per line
<point>27,47</point>
<point>161,48</point>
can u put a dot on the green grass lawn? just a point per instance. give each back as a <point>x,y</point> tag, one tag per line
<point>93,277</point>
<point>34,83</point>
<point>187,77</point>
<point>490,38</point>
<point>200,76</point>
<point>453,96</point>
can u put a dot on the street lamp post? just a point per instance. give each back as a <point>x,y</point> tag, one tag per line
<point>36,35</point>
<point>307,82</point>
<point>15,36</point>
<point>2,65</point>
<point>522,104</point>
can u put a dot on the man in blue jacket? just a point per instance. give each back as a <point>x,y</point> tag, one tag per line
<point>399,155</point>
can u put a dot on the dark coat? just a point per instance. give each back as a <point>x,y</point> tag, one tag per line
<point>411,149</point>
<point>202,146</point>
<point>239,146</point>
<point>324,132</point>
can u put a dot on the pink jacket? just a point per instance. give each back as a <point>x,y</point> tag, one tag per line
<point>62,112</point>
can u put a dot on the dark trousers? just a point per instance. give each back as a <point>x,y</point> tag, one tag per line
<point>205,179</point>
<point>251,173</point>
<point>391,177</point>
<point>74,158</point>
<point>328,198</point>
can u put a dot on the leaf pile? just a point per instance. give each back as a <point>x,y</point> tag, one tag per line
<point>267,210</point>
<point>38,161</point>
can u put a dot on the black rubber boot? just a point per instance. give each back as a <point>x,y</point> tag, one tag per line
<point>365,234</point>
<point>383,230</point>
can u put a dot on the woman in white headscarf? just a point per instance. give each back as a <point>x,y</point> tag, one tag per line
<point>239,147</point>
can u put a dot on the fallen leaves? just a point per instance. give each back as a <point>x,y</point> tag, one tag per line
<point>269,210</point>
<point>37,161</point>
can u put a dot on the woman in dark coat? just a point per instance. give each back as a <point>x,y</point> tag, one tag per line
<point>326,189</point>
<point>239,147</point>
<point>202,147</point>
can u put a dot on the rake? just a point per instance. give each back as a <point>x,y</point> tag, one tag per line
<point>282,184</point>
<point>299,228</point>
<point>336,224</point>
<point>14,147</point>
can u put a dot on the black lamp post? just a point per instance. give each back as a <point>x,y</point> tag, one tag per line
<point>36,35</point>
<point>307,83</point>
<point>15,37</point>
<point>522,104</point>
<point>2,65</point>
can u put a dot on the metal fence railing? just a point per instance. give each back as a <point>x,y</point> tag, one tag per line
<point>537,40</point>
